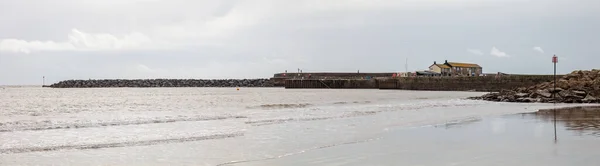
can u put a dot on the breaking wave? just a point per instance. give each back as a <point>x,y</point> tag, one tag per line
<point>278,121</point>
<point>279,106</point>
<point>355,102</point>
<point>383,108</point>
<point>300,105</point>
<point>119,144</point>
<point>49,125</point>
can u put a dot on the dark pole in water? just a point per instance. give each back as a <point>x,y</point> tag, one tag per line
<point>554,60</point>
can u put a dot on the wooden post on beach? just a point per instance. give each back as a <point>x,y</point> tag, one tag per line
<point>554,61</point>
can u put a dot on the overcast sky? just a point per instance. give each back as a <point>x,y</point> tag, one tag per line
<point>81,39</point>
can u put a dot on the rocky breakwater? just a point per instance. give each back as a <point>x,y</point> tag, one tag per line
<point>581,86</point>
<point>163,83</point>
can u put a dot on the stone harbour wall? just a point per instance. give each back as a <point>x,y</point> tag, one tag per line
<point>323,75</point>
<point>162,83</point>
<point>482,83</point>
<point>279,79</point>
<point>331,84</point>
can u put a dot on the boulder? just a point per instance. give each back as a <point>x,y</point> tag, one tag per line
<point>589,99</point>
<point>579,93</point>
<point>544,93</point>
<point>521,95</point>
<point>554,90</point>
<point>570,95</point>
<point>564,84</point>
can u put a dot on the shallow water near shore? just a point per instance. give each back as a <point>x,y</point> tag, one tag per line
<point>516,139</point>
<point>255,126</point>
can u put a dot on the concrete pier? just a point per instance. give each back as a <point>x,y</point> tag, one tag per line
<point>331,84</point>
<point>483,83</point>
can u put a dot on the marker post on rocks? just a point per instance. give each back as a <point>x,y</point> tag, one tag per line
<point>554,61</point>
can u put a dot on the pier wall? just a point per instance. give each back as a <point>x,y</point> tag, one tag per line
<point>483,83</point>
<point>279,79</point>
<point>331,84</point>
<point>323,75</point>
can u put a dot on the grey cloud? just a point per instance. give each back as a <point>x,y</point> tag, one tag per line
<point>498,53</point>
<point>210,39</point>
<point>77,41</point>
<point>538,49</point>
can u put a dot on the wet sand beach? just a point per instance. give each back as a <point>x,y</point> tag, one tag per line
<point>516,139</point>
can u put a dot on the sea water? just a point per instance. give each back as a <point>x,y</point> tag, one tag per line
<point>214,126</point>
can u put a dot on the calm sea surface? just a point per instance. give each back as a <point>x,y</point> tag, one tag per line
<point>223,126</point>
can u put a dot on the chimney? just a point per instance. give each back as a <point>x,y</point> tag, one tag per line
<point>434,62</point>
<point>446,61</point>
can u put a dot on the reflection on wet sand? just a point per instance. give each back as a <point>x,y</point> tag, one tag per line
<point>512,139</point>
<point>583,120</point>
